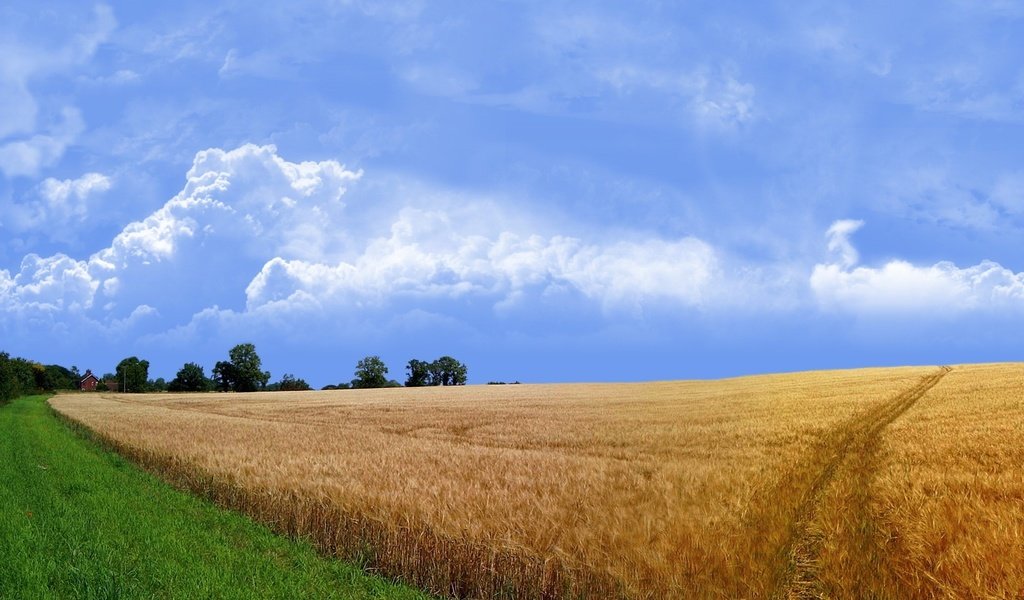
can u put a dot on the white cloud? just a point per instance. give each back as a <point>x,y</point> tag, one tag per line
<point>53,284</point>
<point>249,225</point>
<point>903,288</point>
<point>28,155</point>
<point>69,194</point>
<point>839,241</point>
<point>249,196</point>
<point>426,256</point>
<point>57,205</point>
<point>25,145</point>
<point>236,210</point>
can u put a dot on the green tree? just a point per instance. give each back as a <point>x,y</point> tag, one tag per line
<point>443,371</point>
<point>8,384</point>
<point>291,383</point>
<point>190,378</point>
<point>243,372</point>
<point>224,376</point>
<point>419,373</point>
<point>448,371</point>
<point>107,377</point>
<point>436,373</point>
<point>371,372</point>
<point>60,378</point>
<point>27,375</point>
<point>133,374</point>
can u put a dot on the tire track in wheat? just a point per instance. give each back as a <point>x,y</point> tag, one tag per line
<point>858,436</point>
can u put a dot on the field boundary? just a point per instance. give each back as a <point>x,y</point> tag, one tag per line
<point>352,536</point>
<point>78,521</point>
<point>855,440</point>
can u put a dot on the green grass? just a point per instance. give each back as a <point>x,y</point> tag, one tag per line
<point>77,521</point>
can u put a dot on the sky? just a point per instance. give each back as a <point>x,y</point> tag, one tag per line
<point>571,191</point>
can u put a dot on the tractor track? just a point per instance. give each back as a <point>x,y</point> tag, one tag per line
<point>855,440</point>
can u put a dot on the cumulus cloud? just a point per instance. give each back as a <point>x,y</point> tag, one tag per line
<point>68,194</point>
<point>901,287</point>
<point>237,209</point>
<point>57,204</point>
<point>427,257</point>
<point>253,233</point>
<point>54,284</point>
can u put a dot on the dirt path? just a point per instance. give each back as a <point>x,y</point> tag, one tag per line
<point>853,447</point>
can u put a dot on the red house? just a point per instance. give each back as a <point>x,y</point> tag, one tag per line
<point>89,382</point>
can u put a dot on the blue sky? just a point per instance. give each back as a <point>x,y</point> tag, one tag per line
<point>547,191</point>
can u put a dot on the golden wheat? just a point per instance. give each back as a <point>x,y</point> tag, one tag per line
<point>948,499</point>
<point>734,488</point>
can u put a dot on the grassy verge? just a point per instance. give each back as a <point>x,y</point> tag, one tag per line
<point>80,522</point>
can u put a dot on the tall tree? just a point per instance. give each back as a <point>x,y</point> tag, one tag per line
<point>371,372</point>
<point>449,371</point>
<point>443,371</point>
<point>436,373</point>
<point>19,376</point>
<point>249,373</point>
<point>133,374</point>
<point>60,378</point>
<point>224,376</point>
<point>419,373</point>
<point>9,388</point>
<point>190,378</point>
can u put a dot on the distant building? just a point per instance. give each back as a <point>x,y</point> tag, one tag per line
<point>112,385</point>
<point>89,382</point>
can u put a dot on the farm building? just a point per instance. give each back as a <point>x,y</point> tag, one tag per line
<point>89,382</point>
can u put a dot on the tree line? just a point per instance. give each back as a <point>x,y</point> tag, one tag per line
<point>20,376</point>
<point>371,372</point>
<point>241,372</point>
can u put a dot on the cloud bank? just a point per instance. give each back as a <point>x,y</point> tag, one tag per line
<point>899,287</point>
<point>253,232</point>
<point>254,240</point>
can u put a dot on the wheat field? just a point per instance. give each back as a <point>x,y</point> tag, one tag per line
<point>896,482</point>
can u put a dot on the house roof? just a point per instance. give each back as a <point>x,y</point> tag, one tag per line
<point>88,375</point>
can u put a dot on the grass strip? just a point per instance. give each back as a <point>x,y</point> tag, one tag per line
<point>77,521</point>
